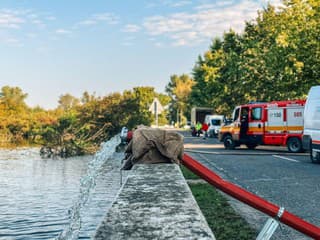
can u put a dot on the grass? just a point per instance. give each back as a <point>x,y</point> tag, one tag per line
<point>223,220</point>
<point>187,173</point>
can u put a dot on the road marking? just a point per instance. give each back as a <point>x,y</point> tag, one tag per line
<point>239,153</point>
<point>197,151</point>
<point>285,158</point>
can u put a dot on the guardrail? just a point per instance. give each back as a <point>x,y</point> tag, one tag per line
<point>251,199</point>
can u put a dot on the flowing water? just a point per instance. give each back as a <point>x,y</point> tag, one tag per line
<point>56,198</point>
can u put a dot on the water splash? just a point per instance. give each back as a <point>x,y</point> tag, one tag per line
<point>87,183</point>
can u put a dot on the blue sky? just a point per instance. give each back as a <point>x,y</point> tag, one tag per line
<point>52,47</point>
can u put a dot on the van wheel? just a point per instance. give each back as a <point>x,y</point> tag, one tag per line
<point>314,156</point>
<point>294,145</point>
<point>228,142</point>
<point>251,146</point>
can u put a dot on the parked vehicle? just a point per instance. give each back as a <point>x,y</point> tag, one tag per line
<point>214,122</point>
<point>198,114</point>
<point>272,123</point>
<point>311,132</point>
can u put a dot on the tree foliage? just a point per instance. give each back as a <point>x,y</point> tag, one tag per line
<point>277,57</point>
<point>84,126</point>
<point>68,102</point>
<point>179,89</point>
<point>76,126</point>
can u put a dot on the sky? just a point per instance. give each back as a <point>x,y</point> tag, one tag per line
<point>53,47</point>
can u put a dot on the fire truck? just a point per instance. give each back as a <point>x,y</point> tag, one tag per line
<point>271,123</point>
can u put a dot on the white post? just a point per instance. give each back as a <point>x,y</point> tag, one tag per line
<point>156,112</point>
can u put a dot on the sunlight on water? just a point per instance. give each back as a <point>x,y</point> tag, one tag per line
<point>87,183</point>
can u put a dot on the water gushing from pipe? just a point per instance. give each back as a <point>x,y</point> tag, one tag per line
<point>87,183</point>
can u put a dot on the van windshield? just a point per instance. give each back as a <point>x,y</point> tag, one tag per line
<point>215,122</point>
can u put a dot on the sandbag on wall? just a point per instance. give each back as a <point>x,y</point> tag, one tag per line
<point>153,145</point>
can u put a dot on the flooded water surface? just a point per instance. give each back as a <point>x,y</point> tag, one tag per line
<point>42,198</point>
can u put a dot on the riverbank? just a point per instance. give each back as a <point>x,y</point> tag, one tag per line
<point>13,146</point>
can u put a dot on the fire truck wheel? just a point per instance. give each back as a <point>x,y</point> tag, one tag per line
<point>294,145</point>
<point>228,142</point>
<point>314,156</point>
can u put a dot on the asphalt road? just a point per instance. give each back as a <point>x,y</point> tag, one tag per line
<point>286,179</point>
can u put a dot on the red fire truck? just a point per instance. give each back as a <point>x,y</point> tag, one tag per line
<point>272,123</point>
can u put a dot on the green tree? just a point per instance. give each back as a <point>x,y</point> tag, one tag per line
<point>14,116</point>
<point>13,98</point>
<point>86,97</point>
<point>179,89</point>
<point>209,85</point>
<point>138,101</point>
<point>68,102</point>
<point>277,57</point>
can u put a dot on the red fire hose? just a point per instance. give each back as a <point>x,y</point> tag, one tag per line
<point>251,199</point>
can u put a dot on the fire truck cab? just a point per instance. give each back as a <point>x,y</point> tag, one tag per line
<point>272,123</point>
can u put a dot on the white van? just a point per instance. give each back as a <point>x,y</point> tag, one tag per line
<point>214,122</point>
<point>311,132</point>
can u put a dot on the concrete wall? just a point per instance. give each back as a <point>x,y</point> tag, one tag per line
<point>154,203</point>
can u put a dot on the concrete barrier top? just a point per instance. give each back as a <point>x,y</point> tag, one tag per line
<point>154,203</point>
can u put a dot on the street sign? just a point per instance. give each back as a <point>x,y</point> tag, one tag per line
<point>156,108</point>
